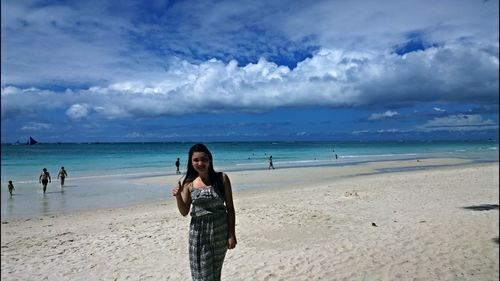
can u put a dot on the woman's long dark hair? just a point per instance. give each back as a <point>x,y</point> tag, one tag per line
<point>191,174</point>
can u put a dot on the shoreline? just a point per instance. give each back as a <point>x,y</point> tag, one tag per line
<point>431,224</point>
<point>248,176</point>
<point>152,186</point>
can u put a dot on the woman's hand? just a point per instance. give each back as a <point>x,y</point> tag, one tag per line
<point>183,200</point>
<point>176,191</point>
<point>231,242</point>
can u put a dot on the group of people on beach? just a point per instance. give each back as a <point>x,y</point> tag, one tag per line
<point>44,179</point>
<point>207,196</point>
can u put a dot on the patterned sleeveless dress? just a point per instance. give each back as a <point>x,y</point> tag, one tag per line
<point>208,234</point>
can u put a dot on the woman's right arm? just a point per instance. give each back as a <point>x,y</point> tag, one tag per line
<point>183,198</point>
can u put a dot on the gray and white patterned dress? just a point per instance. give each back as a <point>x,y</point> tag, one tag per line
<point>208,234</point>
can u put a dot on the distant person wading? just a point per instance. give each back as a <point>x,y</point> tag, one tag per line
<point>177,165</point>
<point>62,175</point>
<point>44,179</point>
<point>271,162</point>
<point>11,187</point>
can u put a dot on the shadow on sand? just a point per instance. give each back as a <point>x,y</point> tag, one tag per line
<point>482,207</point>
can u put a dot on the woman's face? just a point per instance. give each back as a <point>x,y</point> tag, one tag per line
<point>200,162</point>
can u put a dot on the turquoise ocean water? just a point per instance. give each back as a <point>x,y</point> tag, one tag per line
<point>99,173</point>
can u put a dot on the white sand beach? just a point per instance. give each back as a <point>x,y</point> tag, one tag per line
<point>320,223</point>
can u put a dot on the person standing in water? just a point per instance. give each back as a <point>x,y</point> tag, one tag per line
<point>62,175</point>
<point>44,179</point>
<point>11,187</point>
<point>271,162</point>
<point>208,195</point>
<point>177,165</point>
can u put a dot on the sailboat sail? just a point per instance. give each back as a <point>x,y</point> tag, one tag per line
<point>32,141</point>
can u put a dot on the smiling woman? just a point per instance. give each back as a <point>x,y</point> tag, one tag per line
<point>212,230</point>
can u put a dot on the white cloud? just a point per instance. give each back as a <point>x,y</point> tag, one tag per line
<point>77,111</point>
<point>80,43</point>
<point>392,131</point>
<point>330,78</point>
<point>17,102</point>
<point>36,126</point>
<point>84,42</point>
<point>459,122</point>
<point>360,132</point>
<point>302,133</point>
<point>380,116</point>
<point>375,25</point>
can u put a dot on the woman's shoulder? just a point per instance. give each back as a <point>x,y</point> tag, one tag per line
<point>224,177</point>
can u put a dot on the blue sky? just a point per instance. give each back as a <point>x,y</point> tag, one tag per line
<point>256,70</point>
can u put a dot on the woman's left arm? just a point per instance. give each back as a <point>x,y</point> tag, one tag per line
<point>231,242</point>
